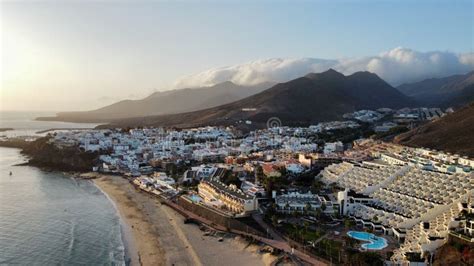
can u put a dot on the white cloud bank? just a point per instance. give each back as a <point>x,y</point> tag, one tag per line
<point>397,66</point>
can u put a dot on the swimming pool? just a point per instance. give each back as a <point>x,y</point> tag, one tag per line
<point>375,242</point>
<point>195,198</point>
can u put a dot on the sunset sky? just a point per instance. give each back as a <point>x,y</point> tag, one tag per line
<point>74,55</point>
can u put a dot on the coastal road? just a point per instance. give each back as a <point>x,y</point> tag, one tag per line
<point>259,219</point>
<point>283,245</point>
<point>279,241</point>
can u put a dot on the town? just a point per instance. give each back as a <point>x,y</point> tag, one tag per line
<point>319,189</point>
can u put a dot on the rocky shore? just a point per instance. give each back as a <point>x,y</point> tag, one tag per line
<point>159,235</point>
<point>47,156</point>
<point>18,143</point>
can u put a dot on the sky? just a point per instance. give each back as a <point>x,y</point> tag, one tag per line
<point>80,55</point>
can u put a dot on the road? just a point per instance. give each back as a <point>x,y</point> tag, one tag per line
<point>283,243</point>
<point>259,219</point>
<point>278,242</point>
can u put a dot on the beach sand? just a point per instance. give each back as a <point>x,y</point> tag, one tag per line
<point>160,237</point>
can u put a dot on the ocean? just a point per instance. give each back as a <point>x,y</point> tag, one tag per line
<point>24,123</point>
<point>50,218</point>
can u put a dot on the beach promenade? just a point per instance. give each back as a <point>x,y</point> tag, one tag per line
<point>278,242</point>
<point>160,235</point>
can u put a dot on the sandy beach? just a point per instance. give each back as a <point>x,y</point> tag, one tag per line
<point>160,237</point>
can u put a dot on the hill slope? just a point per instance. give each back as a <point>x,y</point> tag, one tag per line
<point>454,90</point>
<point>453,133</point>
<point>302,101</point>
<point>167,102</point>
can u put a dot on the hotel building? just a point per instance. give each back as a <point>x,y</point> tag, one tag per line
<point>229,198</point>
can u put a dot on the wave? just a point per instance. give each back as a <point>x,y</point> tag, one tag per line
<point>125,245</point>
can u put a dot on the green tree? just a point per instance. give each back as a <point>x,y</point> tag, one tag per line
<point>318,213</point>
<point>295,213</point>
<point>269,187</point>
<point>283,172</point>
<point>316,186</point>
<point>333,187</point>
<point>259,176</point>
<point>347,223</point>
<point>323,206</point>
<point>305,226</point>
<point>274,220</point>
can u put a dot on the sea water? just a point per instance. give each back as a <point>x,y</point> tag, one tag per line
<point>24,123</point>
<point>49,218</point>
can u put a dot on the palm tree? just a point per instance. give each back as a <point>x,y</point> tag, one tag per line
<point>259,176</point>
<point>318,212</point>
<point>323,206</point>
<point>305,224</point>
<point>287,206</point>
<point>274,220</point>
<point>347,223</point>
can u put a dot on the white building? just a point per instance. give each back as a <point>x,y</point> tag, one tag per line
<point>416,206</point>
<point>294,168</point>
<point>385,127</point>
<point>253,189</point>
<point>302,202</point>
<point>162,179</point>
<point>228,198</point>
<point>333,147</point>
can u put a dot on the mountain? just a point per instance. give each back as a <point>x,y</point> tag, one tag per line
<point>453,91</point>
<point>166,102</point>
<point>302,101</point>
<point>452,133</point>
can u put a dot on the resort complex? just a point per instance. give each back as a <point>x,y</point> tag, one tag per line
<point>297,188</point>
<point>417,206</point>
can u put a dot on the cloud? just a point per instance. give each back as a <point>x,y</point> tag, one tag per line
<point>397,66</point>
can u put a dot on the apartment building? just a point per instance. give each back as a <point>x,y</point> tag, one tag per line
<point>228,198</point>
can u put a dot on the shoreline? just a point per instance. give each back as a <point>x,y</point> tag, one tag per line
<point>138,235</point>
<point>161,237</point>
<point>155,234</point>
<point>131,256</point>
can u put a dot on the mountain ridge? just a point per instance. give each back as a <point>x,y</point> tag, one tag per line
<point>312,98</point>
<point>451,91</point>
<point>166,102</point>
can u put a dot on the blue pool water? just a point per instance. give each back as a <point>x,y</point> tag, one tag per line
<point>375,242</point>
<point>195,198</point>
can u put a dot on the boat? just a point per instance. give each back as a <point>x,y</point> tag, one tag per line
<point>11,173</point>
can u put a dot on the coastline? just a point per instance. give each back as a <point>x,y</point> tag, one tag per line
<point>142,245</point>
<point>160,237</point>
<point>154,234</point>
<point>72,221</point>
<point>131,256</point>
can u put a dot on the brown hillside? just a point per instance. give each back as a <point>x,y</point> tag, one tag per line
<point>453,133</point>
<point>314,98</point>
